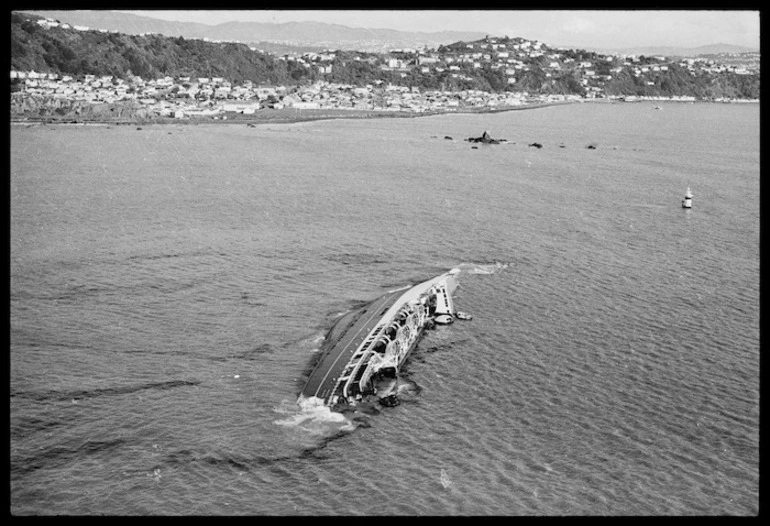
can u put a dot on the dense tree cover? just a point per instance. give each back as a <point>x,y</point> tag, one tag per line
<point>678,81</point>
<point>77,53</point>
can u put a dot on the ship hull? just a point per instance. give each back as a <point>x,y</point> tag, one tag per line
<point>374,341</point>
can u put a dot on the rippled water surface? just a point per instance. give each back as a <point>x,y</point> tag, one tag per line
<point>170,284</point>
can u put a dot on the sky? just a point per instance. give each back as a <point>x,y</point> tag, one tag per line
<point>601,29</point>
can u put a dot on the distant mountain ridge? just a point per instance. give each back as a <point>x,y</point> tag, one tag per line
<point>335,36</point>
<point>314,36</point>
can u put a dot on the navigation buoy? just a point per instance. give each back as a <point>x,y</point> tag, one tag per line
<point>687,201</point>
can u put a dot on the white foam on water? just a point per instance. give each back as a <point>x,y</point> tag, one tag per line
<point>483,268</point>
<point>444,479</point>
<point>313,342</point>
<point>310,414</point>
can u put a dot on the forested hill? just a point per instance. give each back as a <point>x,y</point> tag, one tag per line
<point>529,67</point>
<point>70,52</point>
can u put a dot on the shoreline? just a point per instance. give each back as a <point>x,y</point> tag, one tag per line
<point>281,116</point>
<point>292,116</point>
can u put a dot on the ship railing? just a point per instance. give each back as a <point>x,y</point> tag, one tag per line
<point>368,342</point>
<point>360,358</point>
<point>404,328</point>
<point>355,360</point>
<point>394,353</point>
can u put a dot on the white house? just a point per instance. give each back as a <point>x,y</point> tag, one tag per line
<point>306,105</point>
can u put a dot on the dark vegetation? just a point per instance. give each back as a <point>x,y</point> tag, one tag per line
<point>79,53</point>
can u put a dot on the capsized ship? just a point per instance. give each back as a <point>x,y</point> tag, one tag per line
<point>365,348</point>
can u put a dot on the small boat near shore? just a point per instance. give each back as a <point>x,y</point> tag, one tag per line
<point>365,348</point>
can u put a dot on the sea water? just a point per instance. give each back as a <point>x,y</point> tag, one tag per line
<point>170,284</point>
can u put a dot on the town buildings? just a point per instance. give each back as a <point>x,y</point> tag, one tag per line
<point>512,58</point>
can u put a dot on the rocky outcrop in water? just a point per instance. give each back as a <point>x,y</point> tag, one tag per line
<point>485,139</point>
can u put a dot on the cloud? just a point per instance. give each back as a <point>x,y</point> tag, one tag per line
<point>578,26</point>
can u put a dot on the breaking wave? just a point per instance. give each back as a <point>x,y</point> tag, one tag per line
<point>311,416</point>
<point>482,268</point>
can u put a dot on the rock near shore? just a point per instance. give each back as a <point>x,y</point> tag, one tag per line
<point>485,139</point>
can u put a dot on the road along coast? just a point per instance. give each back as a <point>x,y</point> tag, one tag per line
<point>122,115</point>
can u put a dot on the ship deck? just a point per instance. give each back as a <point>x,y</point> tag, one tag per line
<point>343,340</point>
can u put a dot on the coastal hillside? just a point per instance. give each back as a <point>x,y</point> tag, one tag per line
<point>65,51</point>
<point>492,64</point>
